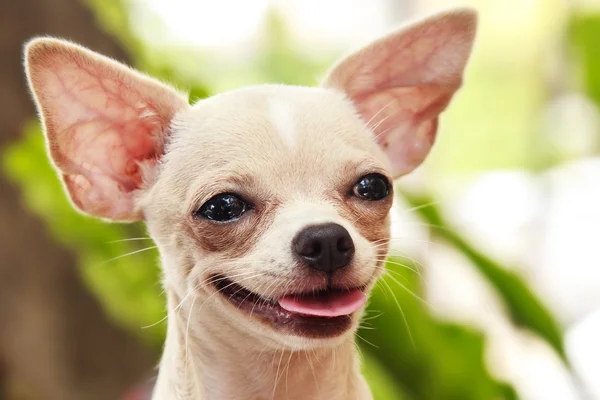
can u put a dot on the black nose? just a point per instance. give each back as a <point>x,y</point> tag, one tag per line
<point>326,247</point>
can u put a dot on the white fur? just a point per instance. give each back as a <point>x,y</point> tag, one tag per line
<point>282,117</point>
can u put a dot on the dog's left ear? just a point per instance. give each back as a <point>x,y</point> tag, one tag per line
<point>104,123</point>
<point>403,81</point>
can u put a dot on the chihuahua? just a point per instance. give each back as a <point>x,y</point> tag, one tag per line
<point>270,205</point>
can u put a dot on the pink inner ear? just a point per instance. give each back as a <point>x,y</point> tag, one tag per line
<point>418,56</point>
<point>100,128</point>
<point>104,126</point>
<point>404,121</point>
<point>402,82</point>
<point>432,51</point>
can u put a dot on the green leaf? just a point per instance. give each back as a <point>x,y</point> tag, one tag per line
<point>584,37</point>
<point>127,285</point>
<point>429,359</point>
<point>525,308</point>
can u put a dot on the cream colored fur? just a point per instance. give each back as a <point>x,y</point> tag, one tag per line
<point>128,148</point>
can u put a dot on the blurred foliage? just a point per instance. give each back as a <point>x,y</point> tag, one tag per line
<point>523,305</point>
<point>584,37</point>
<point>382,381</point>
<point>128,287</point>
<point>430,359</point>
<point>408,354</point>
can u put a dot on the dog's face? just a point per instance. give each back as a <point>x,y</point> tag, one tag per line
<point>286,194</point>
<point>270,203</point>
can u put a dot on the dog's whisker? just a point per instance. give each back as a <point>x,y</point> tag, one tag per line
<point>416,271</point>
<point>392,294</point>
<point>433,227</point>
<point>248,295</point>
<point>421,206</point>
<point>380,240</point>
<point>372,317</point>
<point>244,261</point>
<point>312,368</point>
<point>167,316</point>
<point>359,352</point>
<point>418,266</point>
<point>366,327</point>
<point>129,239</point>
<point>317,358</point>
<point>277,375</point>
<point>365,340</point>
<point>395,254</point>
<point>398,274</point>
<point>403,240</point>
<point>379,123</point>
<point>274,358</point>
<point>413,294</point>
<point>214,279</point>
<point>128,254</point>
<point>401,254</point>
<point>385,294</point>
<point>332,359</point>
<point>187,330</point>
<point>287,371</point>
<point>265,297</point>
<point>240,289</point>
<point>377,114</point>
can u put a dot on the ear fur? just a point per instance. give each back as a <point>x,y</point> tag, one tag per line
<point>103,123</point>
<point>401,82</point>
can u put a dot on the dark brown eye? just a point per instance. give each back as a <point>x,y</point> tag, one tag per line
<point>223,208</point>
<point>372,187</point>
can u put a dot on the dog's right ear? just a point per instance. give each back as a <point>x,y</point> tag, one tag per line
<point>402,82</point>
<point>103,123</point>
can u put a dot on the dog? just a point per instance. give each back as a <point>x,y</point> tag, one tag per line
<point>270,204</point>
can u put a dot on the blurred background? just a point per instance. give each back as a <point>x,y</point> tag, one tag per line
<point>494,283</point>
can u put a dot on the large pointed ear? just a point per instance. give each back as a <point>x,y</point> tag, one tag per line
<point>103,122</point>
<point>403,81</point>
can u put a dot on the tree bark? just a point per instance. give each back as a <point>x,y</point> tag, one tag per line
<point>55,341</point>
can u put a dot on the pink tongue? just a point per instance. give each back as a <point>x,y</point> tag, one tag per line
<point>325,305</point>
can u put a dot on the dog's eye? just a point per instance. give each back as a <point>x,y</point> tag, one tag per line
<point>372,187</point>
<point>223,208</point>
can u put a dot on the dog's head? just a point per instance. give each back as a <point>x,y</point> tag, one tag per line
<point>271,203</point>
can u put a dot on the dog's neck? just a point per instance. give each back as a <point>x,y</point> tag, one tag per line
<point>212,361</point>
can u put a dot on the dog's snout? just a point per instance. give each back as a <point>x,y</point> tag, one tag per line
<point>326,247</point>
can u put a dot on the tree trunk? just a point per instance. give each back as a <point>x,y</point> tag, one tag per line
<point>55,341</point>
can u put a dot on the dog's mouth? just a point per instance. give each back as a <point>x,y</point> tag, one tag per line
<point>314,314</point>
